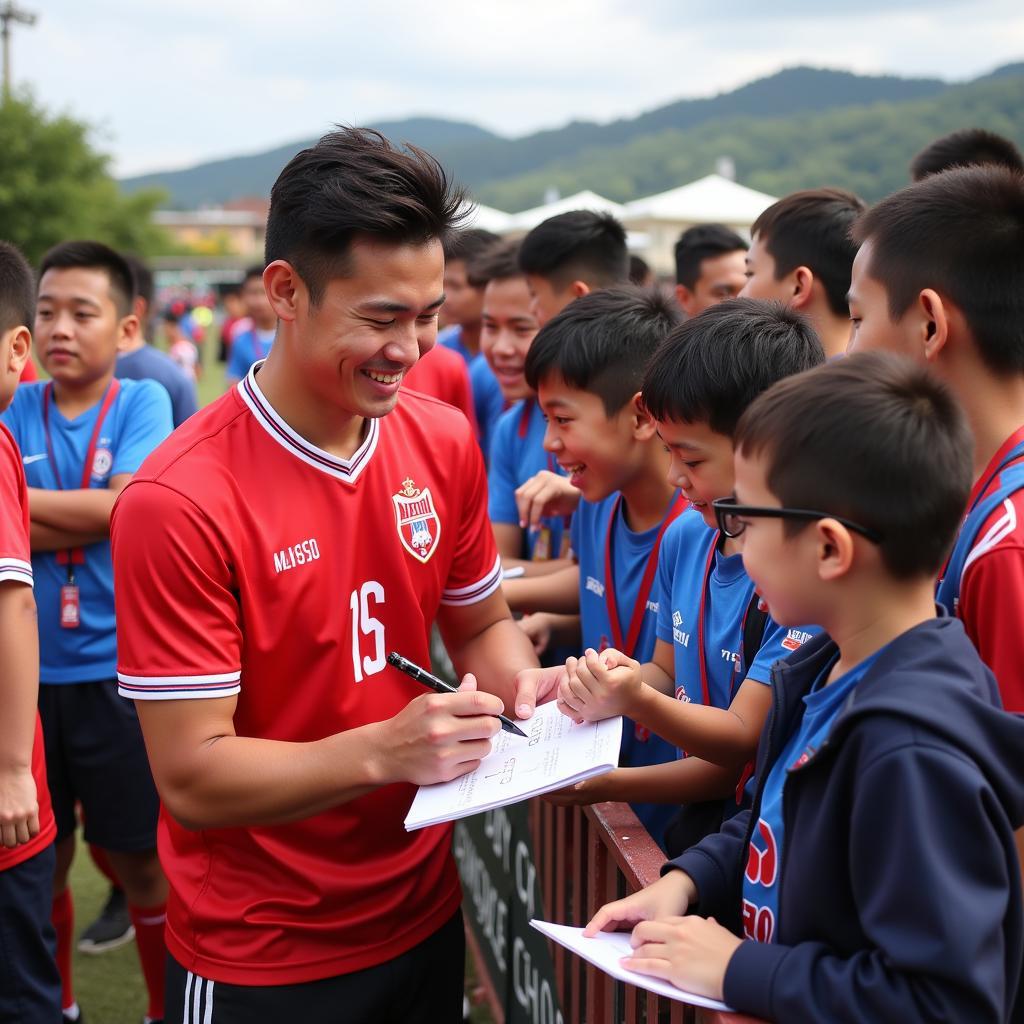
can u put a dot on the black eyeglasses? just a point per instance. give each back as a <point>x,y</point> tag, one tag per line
<point>729,514</point>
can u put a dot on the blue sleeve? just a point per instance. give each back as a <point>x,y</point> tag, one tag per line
<point>779,642</point>
<point>240,358</point>
<point>934,875</point>
<point>663,580</point>
<point>183,402</point>
<point>145,423</point>
<point>488,402</point>
<point>501,475</point>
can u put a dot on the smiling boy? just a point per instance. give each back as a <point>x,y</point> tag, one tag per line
<point>306,524</point>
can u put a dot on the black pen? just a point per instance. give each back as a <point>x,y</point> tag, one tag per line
<point>421,675</point>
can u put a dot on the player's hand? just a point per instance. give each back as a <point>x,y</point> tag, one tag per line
<point>19,807</point>
<point>437,737</point>
<point>691,952</point>
<point>536,686</point>
<point>538,628</point>
<point>669,896</point>
<point>600,686</point>
<point>546,494</point>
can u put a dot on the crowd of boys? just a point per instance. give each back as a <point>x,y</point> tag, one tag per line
<point>773,519</point>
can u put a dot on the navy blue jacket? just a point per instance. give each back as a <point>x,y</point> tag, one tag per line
<point>899,886</point>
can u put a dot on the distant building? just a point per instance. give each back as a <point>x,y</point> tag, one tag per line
<point>235,229</point>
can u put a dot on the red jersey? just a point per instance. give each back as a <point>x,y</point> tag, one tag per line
<point>248,561</point>
<point>991,603</point>
<point>16,565</point>
<point>442,373</point>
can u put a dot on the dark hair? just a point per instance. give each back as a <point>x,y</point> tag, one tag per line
<point>639,270</point>
<point>601,342</point>
<point>498,262</point>
<point>701,242</point>
<point>17,290</point>
<point>812,229</point>
<point>873,437</point>
<point>715,364</point>
<point>961,233</point>
<point>965,148</point>
<point>142,277</point>
<point>579,245</point>
<point>468,243</point>
<point>95,256</point>
<point>256,270</point>
<point>355,182</point>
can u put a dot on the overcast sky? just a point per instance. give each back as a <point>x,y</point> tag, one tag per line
<point>173,83</point>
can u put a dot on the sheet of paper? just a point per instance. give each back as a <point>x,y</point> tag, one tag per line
<point>606,949</point>
<point>556,753</point>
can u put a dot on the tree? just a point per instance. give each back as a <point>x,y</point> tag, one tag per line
<point>54,185</point>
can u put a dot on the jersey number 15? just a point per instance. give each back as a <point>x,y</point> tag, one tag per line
<point>366,624</point>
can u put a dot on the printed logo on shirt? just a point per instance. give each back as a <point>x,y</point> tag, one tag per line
<point>681,695</point>
<point>730,656</point>
<point>419,527</point>
<point>795,639</point>
<point>102,462</point>
<point>652,606</point>
<point>595,586</point>
<point>680,637</point>
<point>298,554</point>
<point>27,460</point>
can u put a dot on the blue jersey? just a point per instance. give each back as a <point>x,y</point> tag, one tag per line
<point>249,347</point>
<point>630,553</point>
<point>488,401</point>
<point>137,421</point>
<point>764,857</point>
<point>517,454</point>
<point>694,575</point>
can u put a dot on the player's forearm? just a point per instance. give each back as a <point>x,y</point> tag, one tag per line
<point>557,592</point>
<point>49,538</point>
<point>19,675</point>
<point>657,678</point>
<point>495,656</point>
<point>242,781</point>
<point>83,510</point>
<point>688,780</point>
<point>544,567</point>
<point>717,735</point>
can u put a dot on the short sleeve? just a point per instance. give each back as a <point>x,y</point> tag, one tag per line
<point>178,630</point>
<point>779,642</point>
<point>15,552</point>
<point>501,476</point>
<point>663,580</point>
<point>146,423</point>
<point>475,571</point>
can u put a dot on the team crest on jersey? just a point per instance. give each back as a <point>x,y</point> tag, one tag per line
<point>795,639</point>
<point>419,527</point>
<point>102,462</point>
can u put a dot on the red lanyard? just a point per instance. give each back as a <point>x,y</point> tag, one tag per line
<point>701,614</point>
<point>76,556</point>
<point>647,581</point>
<point>524,417</point>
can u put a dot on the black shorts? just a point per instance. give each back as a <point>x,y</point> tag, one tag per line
<point>29,982</point>
<point>422,986</point>
<point>95,755</point>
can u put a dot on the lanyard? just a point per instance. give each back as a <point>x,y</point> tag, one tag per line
<point>701,615</point>
<point>76,556</point>
<point>524,418</point>
<point>646,582</point>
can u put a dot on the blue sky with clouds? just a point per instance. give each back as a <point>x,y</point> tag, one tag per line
<point>171,83</point>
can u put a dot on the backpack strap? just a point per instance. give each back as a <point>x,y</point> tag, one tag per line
<point>754,621</point>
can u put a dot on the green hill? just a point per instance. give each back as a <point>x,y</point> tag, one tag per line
<point>798,128</point>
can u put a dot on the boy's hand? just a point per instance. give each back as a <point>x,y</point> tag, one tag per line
<point>536,686</point>
<point>546,494</point>
<point>690,952</point>
<point>601,685</point>
<point>669,896</point>
<point>582,794</point>
<point>19,807</point>
<point>538,628</point>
